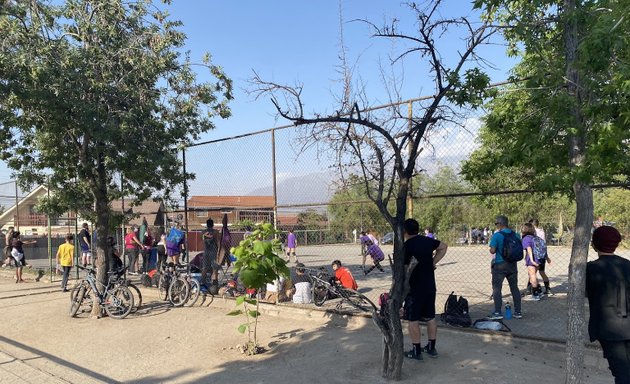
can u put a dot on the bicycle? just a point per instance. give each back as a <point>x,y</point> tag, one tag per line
<point>116,300</point>
<point>325,287</point>
<point>120,280</point>
<point>179,289</point>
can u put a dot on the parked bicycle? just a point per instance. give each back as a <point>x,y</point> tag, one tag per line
<point>137,295</point>
<point>325,288</point>
<point>114,299</point>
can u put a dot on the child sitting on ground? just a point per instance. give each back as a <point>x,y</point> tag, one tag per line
<point>302,293</point>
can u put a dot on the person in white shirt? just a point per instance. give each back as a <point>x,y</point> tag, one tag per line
<point>303,291</point>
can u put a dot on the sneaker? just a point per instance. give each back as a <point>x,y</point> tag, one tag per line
<point>518,315</point>
<point>495,316</point>
<point>411,355</point>
<point>532,298</point>
<point>431,352</point>
<point>548,292</point>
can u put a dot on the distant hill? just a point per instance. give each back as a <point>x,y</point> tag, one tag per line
<point>311,188</point>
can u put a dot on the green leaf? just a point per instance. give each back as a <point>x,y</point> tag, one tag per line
<point>251,301</point>
<point>243,327</point>
<point>240,300</point>
<point>253,313</point>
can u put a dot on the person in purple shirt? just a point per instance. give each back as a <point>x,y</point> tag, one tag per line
<point>291,245</point>
<point>428,232</point>
<point>528,233</point>
<point>375,253</point>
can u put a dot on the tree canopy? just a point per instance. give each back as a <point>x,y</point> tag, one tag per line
<point>92,91</point>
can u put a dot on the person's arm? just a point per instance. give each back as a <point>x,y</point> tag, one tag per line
<point>440,252</point>
<point>135,240</point>
<point>493,244</point>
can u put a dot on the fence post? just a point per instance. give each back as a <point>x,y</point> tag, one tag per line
<point>186,253</point>
<point>273,176</point>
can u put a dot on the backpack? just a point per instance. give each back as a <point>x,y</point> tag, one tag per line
<point>175,236</point>
<point>512,247</point>
<point>539,249</point>
<point>456,311</point>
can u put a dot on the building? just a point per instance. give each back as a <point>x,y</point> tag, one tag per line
<point>25,217</point>
<point>257,209</point>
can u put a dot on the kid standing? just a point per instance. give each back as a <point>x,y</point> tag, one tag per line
<point>64,259</point>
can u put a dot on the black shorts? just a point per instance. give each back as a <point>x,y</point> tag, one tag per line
<point>541,265</point>
<point>420,306</point>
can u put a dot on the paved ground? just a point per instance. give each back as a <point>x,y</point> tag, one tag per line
<point>40,343</point>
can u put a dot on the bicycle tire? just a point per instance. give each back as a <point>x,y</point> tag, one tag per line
<point>137,296</point>
<point>76,301</point>
<point>118,302</point>
<point>195,290</point>
<point>357,300</point>
<point>320,293</point>
<point>178,292</point>
<point>163,284</point>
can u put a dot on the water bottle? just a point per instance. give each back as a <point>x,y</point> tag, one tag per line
<point>508,312</point>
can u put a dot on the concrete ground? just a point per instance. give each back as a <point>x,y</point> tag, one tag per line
<point>40,343</point>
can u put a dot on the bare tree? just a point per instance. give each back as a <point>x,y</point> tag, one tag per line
<point>383,144</point>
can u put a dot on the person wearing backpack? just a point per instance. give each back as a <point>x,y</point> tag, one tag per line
<point>541,266</point>
<point>506,249</point>
<point>420,279</point>
<point>531,243</point>
<point>608,293</point>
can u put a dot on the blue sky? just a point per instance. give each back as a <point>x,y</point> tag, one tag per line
<point>299,41</point>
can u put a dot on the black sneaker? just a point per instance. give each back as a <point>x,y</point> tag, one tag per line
<point>414,356</point>
<point>431,352</point>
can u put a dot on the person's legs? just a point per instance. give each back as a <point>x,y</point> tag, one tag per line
<point>545,278</point>
<point>131,257</point>
<point>18,273</point>
<point>145,261</point>
<point>512,279</point>
<point>64,280</point>
<point>618,355</point>
<point>497,283</point>
<point>414,332</point>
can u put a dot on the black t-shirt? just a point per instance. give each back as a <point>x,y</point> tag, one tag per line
<point>84,234</point>
<point>421,247</point>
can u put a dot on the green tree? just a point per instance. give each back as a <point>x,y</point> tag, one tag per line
<point>351,209</point>
<point>383,146</point>
<point>95,91</point>
<point>563,124</point>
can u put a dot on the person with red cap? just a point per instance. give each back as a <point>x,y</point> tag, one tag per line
<point>608,293</point>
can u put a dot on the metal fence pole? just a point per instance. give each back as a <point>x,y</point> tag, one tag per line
<point>50,251</point>
<point>274,181</point>
<point>186,254</point>
<point>17,208</point>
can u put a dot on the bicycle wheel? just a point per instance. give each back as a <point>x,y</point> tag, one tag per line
<point>76,299</point>
<point>195,290</point>
<point>118,302</point>
<point>163,284</point>
<point>320,293</point>
<point>357,300</point>
<point>137,296</point>
<point>178,292</point>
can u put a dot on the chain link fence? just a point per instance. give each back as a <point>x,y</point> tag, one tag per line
<point>269,176</point>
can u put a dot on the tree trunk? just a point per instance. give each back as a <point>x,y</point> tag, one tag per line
<point>577,281</point>
<point>101,204</point>
<point>584,202</point>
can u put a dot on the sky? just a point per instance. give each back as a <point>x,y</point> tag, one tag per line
<point>299,42</point>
